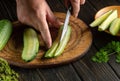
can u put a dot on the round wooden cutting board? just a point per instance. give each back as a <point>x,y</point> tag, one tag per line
<point>79,43</point>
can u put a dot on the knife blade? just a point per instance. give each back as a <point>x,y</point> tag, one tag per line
<point>65,26</point>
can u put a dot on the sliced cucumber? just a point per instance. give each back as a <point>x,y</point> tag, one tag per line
<point>51,51</point>
<point>31,44</point>
<point>100,19</point>
<point>58,46</point>
<point>115,26</point>
<point>108,21</point>
<point>63,43</point>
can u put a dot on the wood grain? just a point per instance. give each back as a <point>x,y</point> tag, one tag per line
<point>80,41</point>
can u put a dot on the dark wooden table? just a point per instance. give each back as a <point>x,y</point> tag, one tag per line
<point>83,69</point>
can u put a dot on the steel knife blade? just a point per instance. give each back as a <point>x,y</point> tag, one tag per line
<point>65,26</point>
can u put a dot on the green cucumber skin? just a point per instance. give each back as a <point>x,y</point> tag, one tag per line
<point>5,32</point>
<point>51,51</point>
<point>115,26</point>
<point>31,44</point>
<point>100,19</point>
<point>108,21</point>
<point>63,43</point>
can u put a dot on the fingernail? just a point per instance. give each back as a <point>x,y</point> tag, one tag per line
<point>83,2</point>
<point>49,44</point>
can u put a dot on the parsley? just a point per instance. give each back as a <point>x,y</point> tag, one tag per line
<point>103,54</point>
<point>6,73</point>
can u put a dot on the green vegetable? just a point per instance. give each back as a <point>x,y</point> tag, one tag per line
<point>108,21</point>
<point>104,53</point>
<point>5,32</point>
<point>115,26</point>
<point>58,46</point>
<point>101,56</point>
<point>63,43</point>
<point>31,44</point>
<point>100,19</point>
<point>51,51</point>
<point>6,73</point>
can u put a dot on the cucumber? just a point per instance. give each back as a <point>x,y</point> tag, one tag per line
<point>31,44</point>
<point>103,26</point>
<point>51,51</point>
<point>58,46</point>
<point>63,43</point>
<point>100,19</point>
<point>115,26</point>
<point>5,32</point>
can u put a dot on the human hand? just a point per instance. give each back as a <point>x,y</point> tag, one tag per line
<point>75,5</point>
<point>37,14</point>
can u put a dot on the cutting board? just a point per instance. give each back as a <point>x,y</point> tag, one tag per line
<point>79,43</point>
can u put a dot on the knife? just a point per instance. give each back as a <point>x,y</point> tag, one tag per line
<point>65,26</point>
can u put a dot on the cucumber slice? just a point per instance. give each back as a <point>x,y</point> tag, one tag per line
<point>108,21</point>
<point>115,26</point>
<point>31,44</point>
<point>100,19</point>
<point>63,43</point>
<point>58,46</point>
<point>51,51</point>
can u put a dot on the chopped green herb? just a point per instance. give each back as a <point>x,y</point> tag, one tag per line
<point>103,54</point>
<point>6,73</point>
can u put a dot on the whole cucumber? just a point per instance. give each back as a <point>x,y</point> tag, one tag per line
<point>5,32</point>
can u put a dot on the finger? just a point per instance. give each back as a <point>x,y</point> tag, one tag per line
<point>76,7</point>
<point>54,21</point>
<point>82,2</point>
<point>43,28</point>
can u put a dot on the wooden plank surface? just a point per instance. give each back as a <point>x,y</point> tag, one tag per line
<point>100,43</point>
<point>83,69</point>
<point>96,69</point>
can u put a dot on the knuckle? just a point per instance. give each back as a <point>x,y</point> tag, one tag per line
<point>39,14</point>
<point>21,19</point>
